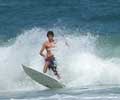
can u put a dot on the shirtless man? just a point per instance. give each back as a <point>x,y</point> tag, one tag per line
<point>49,57</point>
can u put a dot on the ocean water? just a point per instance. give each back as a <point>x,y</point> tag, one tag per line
<point>89,66</point>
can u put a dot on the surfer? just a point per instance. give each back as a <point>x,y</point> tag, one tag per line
<point>50,61</point>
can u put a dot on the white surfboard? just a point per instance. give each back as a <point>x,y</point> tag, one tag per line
<point>42,78</point>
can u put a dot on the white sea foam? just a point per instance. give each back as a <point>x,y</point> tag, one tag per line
<point>78,63</point>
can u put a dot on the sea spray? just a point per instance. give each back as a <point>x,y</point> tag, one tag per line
<point>78,64</point>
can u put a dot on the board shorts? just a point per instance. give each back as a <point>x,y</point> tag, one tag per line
<point>52,64</point>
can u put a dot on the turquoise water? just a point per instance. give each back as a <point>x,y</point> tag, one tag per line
<point>85,15</point>
<point>89,66</point>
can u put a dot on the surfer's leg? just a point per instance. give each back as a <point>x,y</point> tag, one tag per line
<point>45,67</point>
<point>54,67</point>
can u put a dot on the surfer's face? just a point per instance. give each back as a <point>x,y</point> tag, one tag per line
<point>50,37</point>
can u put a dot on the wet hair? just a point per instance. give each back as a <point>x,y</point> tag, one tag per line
<point>50,33</point>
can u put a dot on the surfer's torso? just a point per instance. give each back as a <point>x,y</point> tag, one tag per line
<point>50,48</point>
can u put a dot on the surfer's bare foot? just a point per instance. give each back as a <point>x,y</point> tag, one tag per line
<point>58,76</point>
